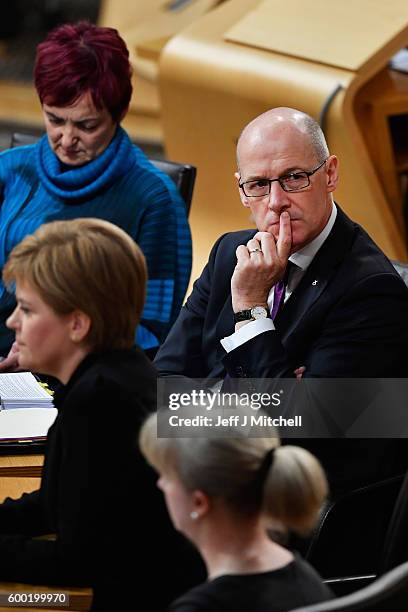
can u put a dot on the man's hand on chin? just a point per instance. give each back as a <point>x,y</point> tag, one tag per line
<point>260,265</point>
<point>11,363</point>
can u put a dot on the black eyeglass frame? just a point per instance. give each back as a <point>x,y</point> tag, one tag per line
<point>280,179</point>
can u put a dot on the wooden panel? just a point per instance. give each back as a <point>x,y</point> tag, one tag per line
<point>345,34</point>
<point>210,88</point>
<point>383,97</point>
<point>146,25</point>
<point>21,465</point>
<point>151,19</point>
<point>19,474</point>
<point>16,486</point>
<point>20,103</point>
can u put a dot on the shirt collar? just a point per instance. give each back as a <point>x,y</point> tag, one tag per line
<point>303,258</point>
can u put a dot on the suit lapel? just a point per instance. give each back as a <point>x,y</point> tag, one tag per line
<point>312,286</point>
<point>318,275</point>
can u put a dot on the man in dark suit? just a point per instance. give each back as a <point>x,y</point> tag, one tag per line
<point>342,312</point>
<point>345,307</point>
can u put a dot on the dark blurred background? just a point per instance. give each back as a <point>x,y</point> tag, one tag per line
<point>23,24</point>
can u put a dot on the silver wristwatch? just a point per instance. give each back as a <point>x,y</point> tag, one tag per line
<point>257,312</point>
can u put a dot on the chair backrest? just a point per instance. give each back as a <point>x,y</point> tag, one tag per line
<point>387,594</point>
<point>19,139</point>
<point>356,534</point>
<point>396,541</point>
<point>183,175</point>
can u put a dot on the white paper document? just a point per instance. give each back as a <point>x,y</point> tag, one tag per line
<point>22,390</point>
<point>27,424</point>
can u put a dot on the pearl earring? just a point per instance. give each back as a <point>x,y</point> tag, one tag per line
<point>194,515</point>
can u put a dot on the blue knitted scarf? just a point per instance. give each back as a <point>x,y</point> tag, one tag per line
<point>84,181</point>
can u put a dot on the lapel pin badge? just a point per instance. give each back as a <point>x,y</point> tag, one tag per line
<point>314,283</point>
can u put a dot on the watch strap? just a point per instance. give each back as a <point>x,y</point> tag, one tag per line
<point>251,314</point>
<point>242,315</point>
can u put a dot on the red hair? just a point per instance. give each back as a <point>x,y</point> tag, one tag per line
<point>81,57</point>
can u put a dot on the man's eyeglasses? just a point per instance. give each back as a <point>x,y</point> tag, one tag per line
<point>295,181</point>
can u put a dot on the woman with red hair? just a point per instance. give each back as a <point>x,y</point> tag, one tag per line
<point>86,166</point>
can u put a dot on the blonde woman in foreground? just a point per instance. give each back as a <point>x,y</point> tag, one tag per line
<point>223,494</point>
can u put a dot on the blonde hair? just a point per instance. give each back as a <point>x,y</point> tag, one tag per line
<point>288,487</point>
<point>89,265</point>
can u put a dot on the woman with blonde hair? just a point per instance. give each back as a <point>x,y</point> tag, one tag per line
<point>224,494</point>
<point>80,288</point>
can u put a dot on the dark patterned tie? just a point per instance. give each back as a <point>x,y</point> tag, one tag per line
<point>279,291</point>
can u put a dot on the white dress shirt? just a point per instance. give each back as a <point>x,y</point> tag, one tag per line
<point>302,260</point>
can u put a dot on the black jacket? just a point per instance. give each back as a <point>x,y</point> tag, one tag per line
<point>346,318</point>
<point>98,495</point>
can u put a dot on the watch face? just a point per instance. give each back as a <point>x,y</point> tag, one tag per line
<point>259,312</point>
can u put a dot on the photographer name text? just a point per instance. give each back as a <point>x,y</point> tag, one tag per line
<point>235,420</point>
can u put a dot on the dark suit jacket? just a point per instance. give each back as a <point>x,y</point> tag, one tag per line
<point>99,496</point>
<point>347,318</point>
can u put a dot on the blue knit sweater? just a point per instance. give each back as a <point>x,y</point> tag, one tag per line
<point>121,186</point>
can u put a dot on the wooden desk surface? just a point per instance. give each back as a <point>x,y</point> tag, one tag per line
<point>21,465</point>
<point>19,474</point>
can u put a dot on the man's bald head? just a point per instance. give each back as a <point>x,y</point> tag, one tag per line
<point>280,119</point>
<point>285,143</point>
